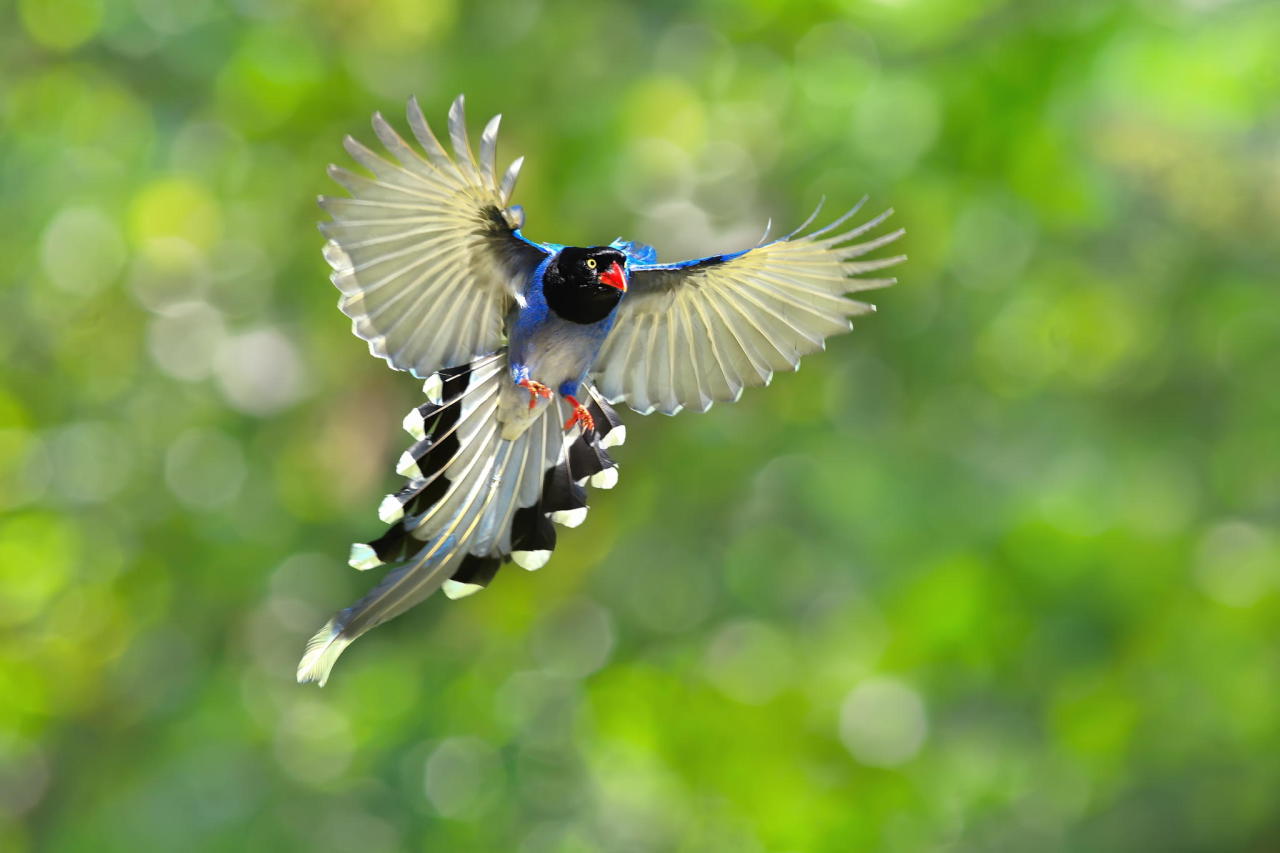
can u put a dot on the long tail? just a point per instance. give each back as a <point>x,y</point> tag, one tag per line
<point>472,502</point>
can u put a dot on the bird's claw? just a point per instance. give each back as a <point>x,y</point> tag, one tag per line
<point>536,390</point>
<point>580,416</point>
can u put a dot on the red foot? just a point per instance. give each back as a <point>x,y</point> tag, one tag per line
<point>536,390</point>
<point>580,416</point>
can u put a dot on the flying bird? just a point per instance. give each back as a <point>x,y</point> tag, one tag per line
<point>523,345</point>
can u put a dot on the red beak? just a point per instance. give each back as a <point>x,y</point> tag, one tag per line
<point>614,277</point>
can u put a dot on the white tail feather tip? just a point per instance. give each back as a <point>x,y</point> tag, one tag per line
<point>531,560</point>
<point>363,557</point>
<point>408,466</point>
<point>606,479</point>
<point>414,425</point>
<point>390,510</point>
<point>616,436</point>
<point>321,654</point>
<point>433,387</point>
<point>457,589</point>
<point>570,517</point>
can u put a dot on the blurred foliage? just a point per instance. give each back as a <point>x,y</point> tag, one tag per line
<point>998,571</point>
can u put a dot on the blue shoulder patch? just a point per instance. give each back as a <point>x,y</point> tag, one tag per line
<point>637,253</point>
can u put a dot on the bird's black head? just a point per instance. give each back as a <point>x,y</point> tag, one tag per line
<point>584,285</point>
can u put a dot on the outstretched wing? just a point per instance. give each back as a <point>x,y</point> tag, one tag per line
<point>693,333</point>
<point>426,252</point>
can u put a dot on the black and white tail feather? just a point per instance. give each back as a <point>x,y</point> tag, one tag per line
<point>429,259</point>
<point>472,501</point>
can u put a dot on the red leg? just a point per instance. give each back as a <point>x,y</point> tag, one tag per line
<point>536,390</point>
<point>580,416</point>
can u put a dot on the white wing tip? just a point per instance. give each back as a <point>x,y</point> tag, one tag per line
<point>570,517</point>
<point>337,258</point>
<point>322,652</point>
<point>606,479</point>
<point>531,560</point>
<point>454,590</point>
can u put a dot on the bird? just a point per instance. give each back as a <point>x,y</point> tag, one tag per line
<point>524,347</point>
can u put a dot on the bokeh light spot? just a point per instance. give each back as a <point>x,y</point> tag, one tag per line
<point>666,108</point>
<point>184,340</point>
<point>993,241</point>
<point>170,18</point>
<point>175,207</point>
<point>883,722</point>
<point>1237,563</point>
<point>24,466</point>
<point>266,81</point>
<point>895,122</point>
<point>92,461</point>
<point>168,271</point>
<point>462,776</point>
<point>24,775</point>
<point>61,24</point>
<point>36,554</point>
<point>749,661</point>
<point>81,250</point>
<point>205,468</point>
<point>575,639</point>
<point>313,742</point>
<point>260,371</point>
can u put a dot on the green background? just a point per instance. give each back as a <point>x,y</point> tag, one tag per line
<point>999,570</point>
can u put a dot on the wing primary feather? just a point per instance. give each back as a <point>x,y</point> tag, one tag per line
<point>732,381</point>
<point>797,301</point>
<point>871,284</point>
<point>777,316</point>
<point>489,150</point>
<point>426,138</point>
<point>764,238</point>
<point>753,360</point>
<point>356,183</point>
<point>659,329</point>
<point>838,222</point>
<point>869,266</point>
<point>395,144</point>
<point>860,229</point>
<point>668,399</point>
<point>693,369</point>
<point>365,156</point>
<point>458,136</point>
<point>850,252</point>
<point>509,179</point>
<point>806,223</point>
